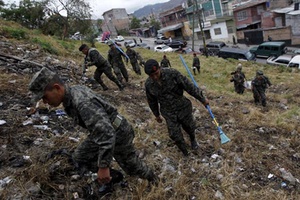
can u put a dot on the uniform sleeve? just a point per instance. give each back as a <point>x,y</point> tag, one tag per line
<point>152,101</point>
<point>101,131</point>
<point>189,87</point>
<point>94,55</point>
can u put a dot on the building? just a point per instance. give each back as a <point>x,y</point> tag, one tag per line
<point>175,23</point>
<point>115,20</point>
<point>216,17</point>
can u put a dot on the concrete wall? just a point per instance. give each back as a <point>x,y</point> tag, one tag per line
<point>224,32</point>
<point>278,34</point>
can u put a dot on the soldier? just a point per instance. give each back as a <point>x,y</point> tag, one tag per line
<point>93,57</point>
<point>196,64</point>
<point>238,79</point>
<point>170,102</point>
<point>133,57</point>
<point>259,86</point>
<point>165,62</point>
<point>111,136</point>
<point>115,59</point>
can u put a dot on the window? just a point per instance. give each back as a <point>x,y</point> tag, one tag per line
<point>217,31</point>
<point>242,15</point>
<point>274,48</point>
<point>230,30</point>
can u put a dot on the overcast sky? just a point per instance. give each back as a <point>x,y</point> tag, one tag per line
<point>101,6</point>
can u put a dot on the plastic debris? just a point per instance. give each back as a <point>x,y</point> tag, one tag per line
<point>283,184</point>
<point>270,176</point>
<point>27,122</point>
<point>60,112</point>
<point>5,181</point>
<point>74,139</point>
<point>42,127</point>
<point>2,122</point>
<point>287,176</point>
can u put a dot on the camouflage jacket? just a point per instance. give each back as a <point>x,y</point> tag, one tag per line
<point>165,62</point>
<point>196,61</point>
<point>168,96</point>
<point>90,111</point>
<point>238,77</point>
<point>133,56</point>
<point>95,58</point>
<point>261,81</point>
<point>115,57</point>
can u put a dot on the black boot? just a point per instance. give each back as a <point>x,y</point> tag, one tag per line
<point>104,86</point>
<point>194,144</point>
<point>182,147</point>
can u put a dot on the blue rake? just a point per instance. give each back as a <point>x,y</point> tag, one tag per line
<point>223,137</point>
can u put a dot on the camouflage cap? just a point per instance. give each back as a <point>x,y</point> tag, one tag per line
<point>151,66</point>
<point>39,82</point>
<point>109,43</point>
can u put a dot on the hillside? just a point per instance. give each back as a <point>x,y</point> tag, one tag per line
<point>157,8</point>
<point>260,162</point>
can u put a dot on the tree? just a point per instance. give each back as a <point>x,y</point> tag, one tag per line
<point>68,12</point>
<point>1,3</point>
<point>155,24</point>
<point>135,23</point>
<point>29,13</point>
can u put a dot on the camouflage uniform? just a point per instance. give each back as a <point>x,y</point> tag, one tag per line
<point>196,64</point>
<point>167,98</point>
<point>238,79</point>
<point>165,63</point>
<point>133,56</point>
<point>115,59</point>
<point>107,138</point>
<point>95,58</point>
<point>259,85</point>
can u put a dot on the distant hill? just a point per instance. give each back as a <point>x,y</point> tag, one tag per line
<point>157,8</point>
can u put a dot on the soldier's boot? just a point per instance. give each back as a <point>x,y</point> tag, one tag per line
<point>182,147</point>
<point>121,86</point>
<point>194,143</point>
<point>104,87</point>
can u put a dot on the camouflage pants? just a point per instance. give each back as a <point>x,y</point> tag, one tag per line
<point>180,119</point>
<point>86,154</point>
<point>108,72</point>
<point>239,88</point>
<point>136,67</point>
<point>259,95</point>
<point>121,71</point>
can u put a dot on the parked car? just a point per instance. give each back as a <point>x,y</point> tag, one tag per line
<point>176,44</point>
<point>282,60</point>
<point>119,38</point>
<point>268,49</point>
<point>187,50</point>
<point>131,43</point>
<point>296,51</point>
<point>213,48</point>
<point>236,53</point>
<point>295,62</point>
<point>161,40</point>
<point>163,48</point>
<point>143,45</point>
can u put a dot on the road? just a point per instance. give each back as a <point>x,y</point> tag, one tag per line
<point>197,43</point>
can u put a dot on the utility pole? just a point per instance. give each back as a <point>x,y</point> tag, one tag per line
<point>193,39</point>
<point>201,28</point>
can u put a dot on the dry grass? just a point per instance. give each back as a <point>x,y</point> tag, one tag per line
<point>262,139</point>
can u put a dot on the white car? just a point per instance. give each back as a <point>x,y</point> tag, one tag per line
<point>119,38</point>
<point>130,43</point>
<point>295,62</point>
<point>163,48</point>
<point>282,60</point>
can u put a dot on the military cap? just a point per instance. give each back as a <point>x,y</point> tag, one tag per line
<point>83,46</point>
<point>151,66</point>
<point>109,43</point>
<point>259,72</point>
<point>39,82</point>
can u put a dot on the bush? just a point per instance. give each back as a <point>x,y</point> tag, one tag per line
<point>45,45</point>
<point>14,33</point>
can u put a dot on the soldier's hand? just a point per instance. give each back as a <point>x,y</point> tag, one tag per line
<point>104,175</point>
<point>158,119</point>
<point>206,102</point>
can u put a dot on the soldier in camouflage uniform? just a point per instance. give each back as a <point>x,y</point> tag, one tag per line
<point>133,57</point>
<point>196,64</point>
<point>110,135</point>
<point>238,79</point>
<point>115,59</point>
<point>165,63</point>
<point>93,57</point>
<point>164,91</point>
<point>259,86</point>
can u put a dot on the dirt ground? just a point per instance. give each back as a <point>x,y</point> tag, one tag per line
<point>262,160</point>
